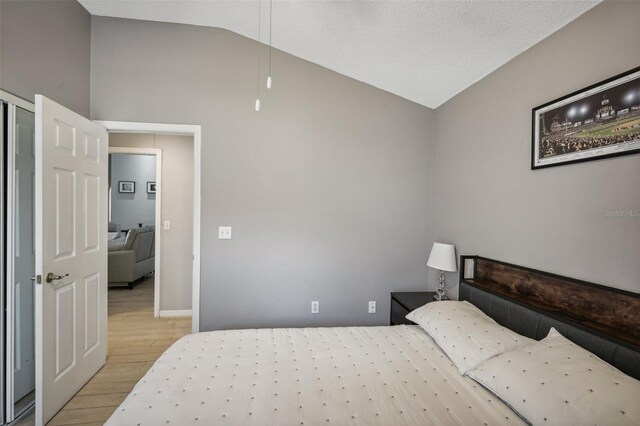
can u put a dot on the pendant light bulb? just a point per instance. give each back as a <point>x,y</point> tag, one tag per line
<point>257,105</point>
<point>269,82</point>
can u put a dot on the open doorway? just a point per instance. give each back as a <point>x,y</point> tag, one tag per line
<point>171,191</point>
<point>135,244</point>
<point>172,139</point>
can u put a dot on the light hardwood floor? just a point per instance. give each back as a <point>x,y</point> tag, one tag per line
<point>136,340</point>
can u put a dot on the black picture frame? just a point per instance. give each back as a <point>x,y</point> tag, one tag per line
<point>151,187</point>
<point>126,187</point>
<point>600,121</point>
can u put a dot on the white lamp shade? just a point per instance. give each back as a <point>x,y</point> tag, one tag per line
<point>443,257</point>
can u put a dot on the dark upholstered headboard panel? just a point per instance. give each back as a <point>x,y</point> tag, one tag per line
<point>535,323</point>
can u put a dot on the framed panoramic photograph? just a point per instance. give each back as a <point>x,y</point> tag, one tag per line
<point>151,187</point>
<point>599,121</point>
<point>126,187</point>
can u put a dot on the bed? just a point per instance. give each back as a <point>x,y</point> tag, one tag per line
<point>368,375</point>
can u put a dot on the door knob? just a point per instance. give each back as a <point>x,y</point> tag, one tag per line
<point>51,277</point>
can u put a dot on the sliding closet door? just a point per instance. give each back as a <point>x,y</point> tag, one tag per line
<point>17,128</point>
<point>24,260</point>
<point>3,189</point>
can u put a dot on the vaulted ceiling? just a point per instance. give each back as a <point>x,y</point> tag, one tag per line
<point>425,51</point>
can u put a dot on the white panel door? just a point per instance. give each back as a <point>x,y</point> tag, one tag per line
<point>71,238</point>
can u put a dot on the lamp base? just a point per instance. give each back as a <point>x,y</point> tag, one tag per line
<point>440,293</point>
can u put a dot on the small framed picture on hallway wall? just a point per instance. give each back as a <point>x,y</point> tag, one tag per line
<point>151,187</point>
<point>126,187</point>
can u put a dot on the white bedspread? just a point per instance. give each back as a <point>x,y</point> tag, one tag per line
<point>353,375</point>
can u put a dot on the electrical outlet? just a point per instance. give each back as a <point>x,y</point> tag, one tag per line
<point>372,306</point>
<point>315,307</point>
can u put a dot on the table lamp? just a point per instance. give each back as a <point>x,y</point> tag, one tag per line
<point>443,258</point>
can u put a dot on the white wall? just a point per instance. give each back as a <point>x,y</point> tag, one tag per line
<point>131,209</point>
<point>177,207</point>
<point>489,202</point>
<point>45,48</point>
<point>327,188</point>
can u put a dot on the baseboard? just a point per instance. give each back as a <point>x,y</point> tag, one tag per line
<point>178,313</point>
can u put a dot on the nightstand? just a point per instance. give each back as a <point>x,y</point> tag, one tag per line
<point>403,302</point>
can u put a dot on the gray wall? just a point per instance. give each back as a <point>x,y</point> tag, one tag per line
<point>45,49</point>
<point>487,200</point>
<point>131,209</point>
<point>327,188</point>
<point>177,207</point>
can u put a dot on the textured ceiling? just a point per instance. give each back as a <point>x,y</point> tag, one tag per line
<point>426,51</point>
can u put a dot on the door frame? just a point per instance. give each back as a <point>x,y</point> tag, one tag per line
<point>17,101</point>
<point>194,131</point>
<point>158,215</point>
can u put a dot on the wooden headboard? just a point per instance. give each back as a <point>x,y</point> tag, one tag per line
<point>608,310</point>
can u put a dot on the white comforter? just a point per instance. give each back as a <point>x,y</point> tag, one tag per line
<point>356,375</point>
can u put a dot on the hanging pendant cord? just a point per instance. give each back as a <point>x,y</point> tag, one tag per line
<point>258,47</point>
<point>270,25</point>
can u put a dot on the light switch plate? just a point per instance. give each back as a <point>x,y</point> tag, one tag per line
<point>166,225</point>
<point>224,232</point>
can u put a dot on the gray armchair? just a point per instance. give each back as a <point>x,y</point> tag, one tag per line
<point>132,258</point>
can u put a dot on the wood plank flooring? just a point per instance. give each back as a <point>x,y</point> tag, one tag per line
<point>136,340</point>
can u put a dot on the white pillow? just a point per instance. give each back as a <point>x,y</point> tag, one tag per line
<point>465,333</point>
<point>556,382</point>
